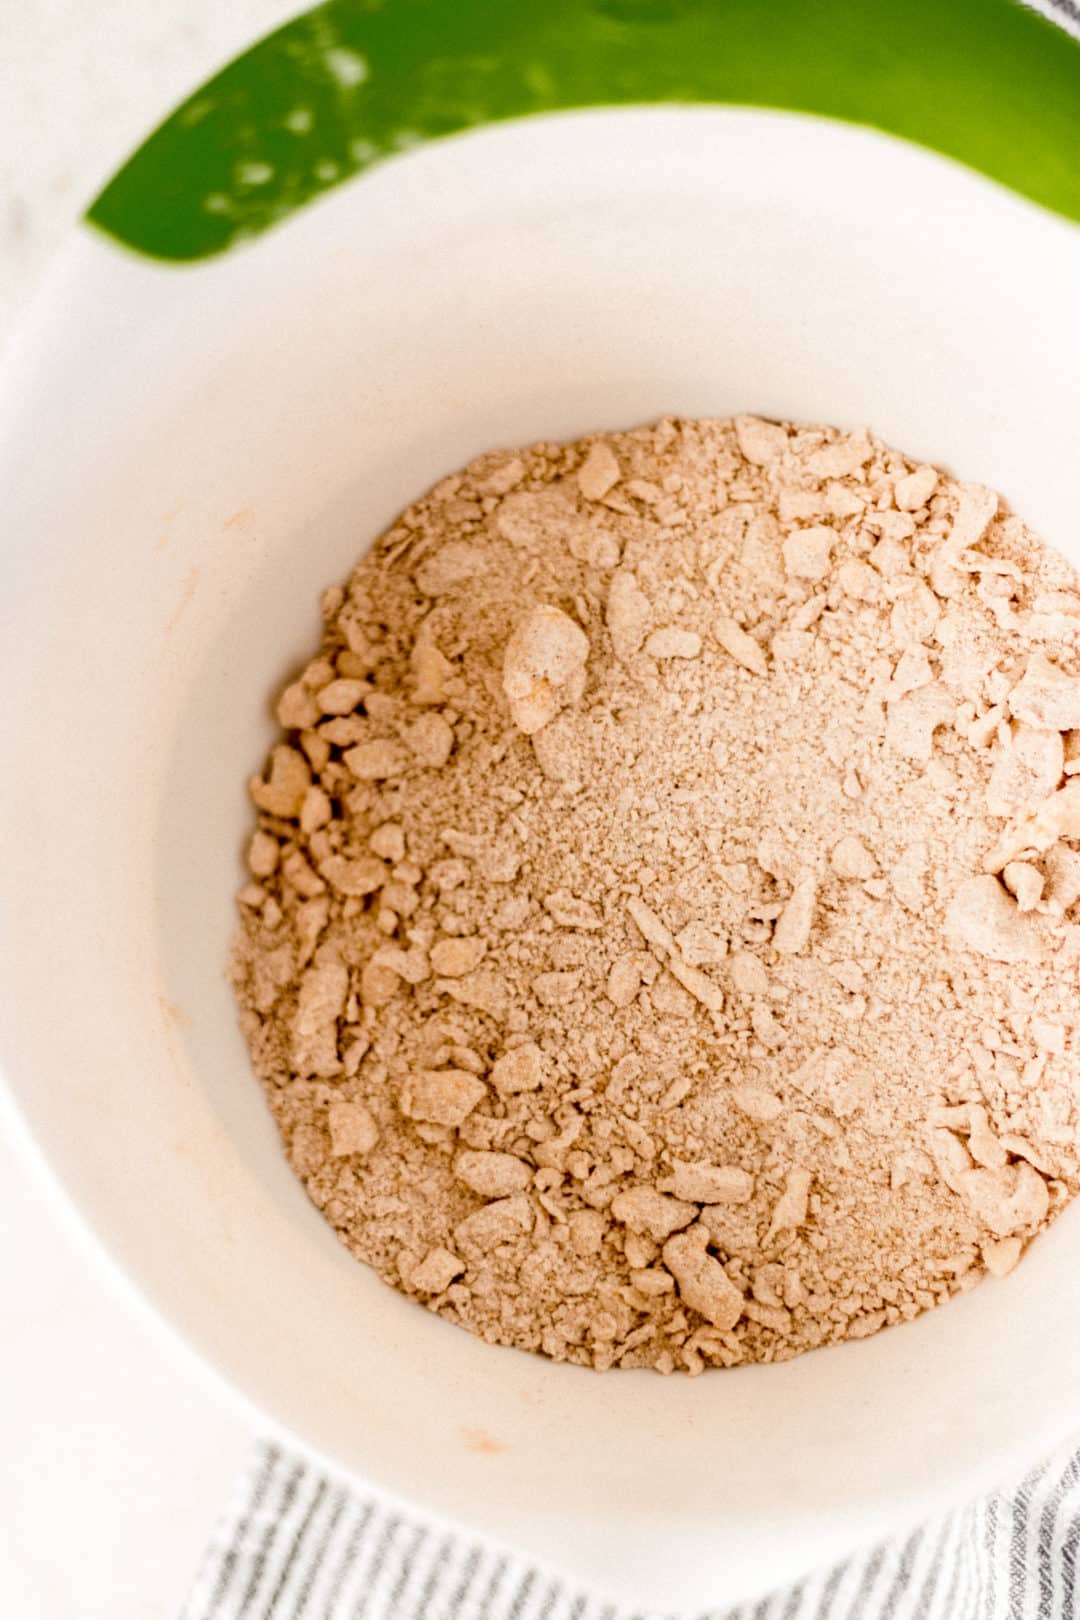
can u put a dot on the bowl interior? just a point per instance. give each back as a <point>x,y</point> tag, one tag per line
<point>189,456</point>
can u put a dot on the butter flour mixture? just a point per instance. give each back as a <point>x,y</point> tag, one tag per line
<point>660,949</point>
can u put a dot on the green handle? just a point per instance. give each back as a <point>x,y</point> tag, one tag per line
<point>355,81</point>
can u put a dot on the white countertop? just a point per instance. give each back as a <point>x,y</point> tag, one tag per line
<point>115,1460</point>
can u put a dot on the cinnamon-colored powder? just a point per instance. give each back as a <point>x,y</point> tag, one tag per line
<point>659,949</point>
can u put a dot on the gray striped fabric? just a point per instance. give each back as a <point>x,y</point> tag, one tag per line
<point>1066,13</point>
<point>298,1545</point>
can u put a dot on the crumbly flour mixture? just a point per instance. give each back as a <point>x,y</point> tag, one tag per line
<point>660,947</point>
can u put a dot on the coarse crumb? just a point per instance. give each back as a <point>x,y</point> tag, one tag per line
<point>659,946</point>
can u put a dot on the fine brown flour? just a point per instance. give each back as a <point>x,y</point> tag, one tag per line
<point>660,949</point>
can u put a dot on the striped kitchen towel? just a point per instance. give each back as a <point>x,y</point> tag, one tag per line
<point>1066,13</point>
<point>298,1545</point>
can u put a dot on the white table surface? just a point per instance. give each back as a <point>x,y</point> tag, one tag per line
<point>115,1459</point>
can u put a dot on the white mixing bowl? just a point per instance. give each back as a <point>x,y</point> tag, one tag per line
<point>187,456</point>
